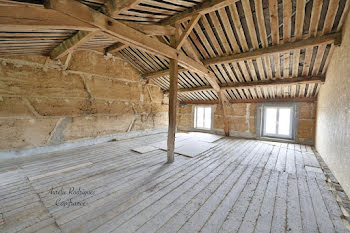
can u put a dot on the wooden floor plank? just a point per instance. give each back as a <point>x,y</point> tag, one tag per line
<point>239,185</point>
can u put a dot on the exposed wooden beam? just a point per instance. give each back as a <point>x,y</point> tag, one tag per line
<point>35,18</point>
<point>261,83</point>
<point>208,102</point>
<point>115,47</point>
<point>172,105</point>
<point>326,39</point>
<point>300,44</point>
<point>71,43</point>
<point>201,8</point>
<point>152,29</point>
<point>124,33</point>
<point>188,30</point>
<point>114,7</point>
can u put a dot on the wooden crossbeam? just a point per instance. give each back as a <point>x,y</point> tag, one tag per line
<point>36,18</point>
<point>261,83</point>
<point>115,47</point>
<point>152,29</point>
<point>124,33</point>
<point>300,44</point>
<point>209,102</point>
<point>71,43</point>
<point>201,8</point>
<point>326,39</point>
<point>188,30</point>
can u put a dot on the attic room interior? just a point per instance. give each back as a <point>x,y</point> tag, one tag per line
<point>174,116</point>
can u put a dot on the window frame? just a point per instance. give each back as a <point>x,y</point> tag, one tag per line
<point>195,117</point>
<point>292,122</point>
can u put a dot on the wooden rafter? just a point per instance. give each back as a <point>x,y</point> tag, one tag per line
<point>187,31</point>
<point>255,84</point>
<point>71,43</point>
<point>115,47</point>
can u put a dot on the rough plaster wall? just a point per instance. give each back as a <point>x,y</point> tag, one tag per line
<point>242,120</point>
<point>333,113</point>
<point>42,102</point>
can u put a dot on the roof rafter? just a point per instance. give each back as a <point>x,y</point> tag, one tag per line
<point>71,43</point>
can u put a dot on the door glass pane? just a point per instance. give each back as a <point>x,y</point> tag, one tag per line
<point>200,118</point>
<point>207,121</point>
<point>270,120</point>
<point>284,121</point>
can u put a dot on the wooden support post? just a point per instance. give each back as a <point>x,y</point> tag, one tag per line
<point>223,104</point>
<point>172,104</point>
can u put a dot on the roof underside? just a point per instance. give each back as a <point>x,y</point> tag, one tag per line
<point>238,27</point>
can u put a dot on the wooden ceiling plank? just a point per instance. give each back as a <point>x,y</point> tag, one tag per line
<point>201,8</point>
<point>260,65</point>
<point>261,22</point>
<point>268,67</point>
<point>238,26</point>
<point>315,17</point>
<point>211,35</point>
<point>220,32</point>
<point>343,16</point>
<point>296,57</point>
<point>228,29</point>
<point>287,20</point>
<point>307,61</point>
<point>319,56</point>
<point>188,30</point>
<point>330,16</point>
<point>299,18</point>
<point>71,43</point>
<point>273,9</point>
<point>250,23</point>
<point>204,40</point>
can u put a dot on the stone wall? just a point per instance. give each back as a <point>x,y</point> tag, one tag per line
<point>45,102</point>
<point>242,120</point>
<point>333,113</point>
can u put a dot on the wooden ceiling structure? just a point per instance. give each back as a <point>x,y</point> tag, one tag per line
<point>245,44</point>
<point>200,51</point>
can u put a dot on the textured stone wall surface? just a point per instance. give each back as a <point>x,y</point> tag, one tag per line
<point>242,120</point>
<point>333,113</point>
<point>45,102</point>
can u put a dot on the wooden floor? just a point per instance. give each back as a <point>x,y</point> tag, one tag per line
<point>237,186</point>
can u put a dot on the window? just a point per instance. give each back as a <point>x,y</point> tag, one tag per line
<point>202,117</point>
<point>278,122</point>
